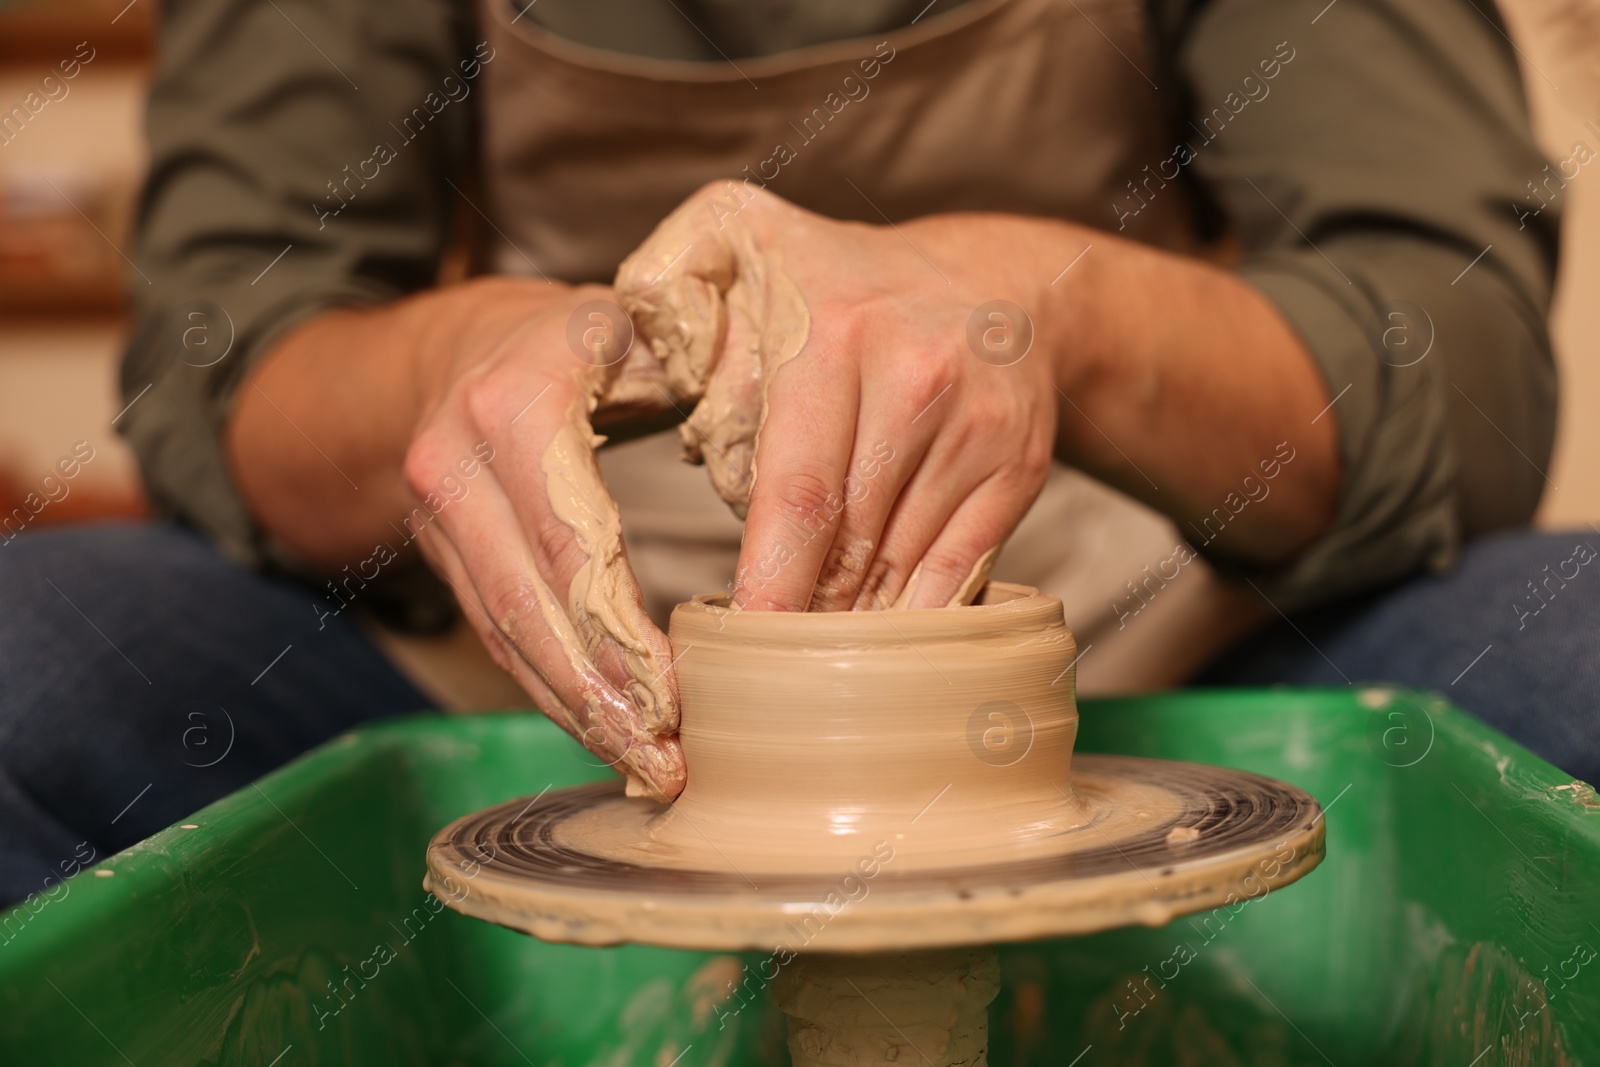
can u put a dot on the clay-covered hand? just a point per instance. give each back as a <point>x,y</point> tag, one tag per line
<point>872,424</point>
<point>533,549</point>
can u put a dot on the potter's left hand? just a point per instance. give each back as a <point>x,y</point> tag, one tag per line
<point>884,435</point>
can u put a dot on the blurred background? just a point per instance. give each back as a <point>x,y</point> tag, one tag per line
<point>69,179</point>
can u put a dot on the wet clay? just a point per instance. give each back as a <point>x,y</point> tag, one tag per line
<point>722,316</point>
<point>965,593</point>
<point>578,866</point>
<point>946,733</point>
<point>603,601</point>
<point>902,1008</point>
<point>869,794</point>
<point>872,781</point>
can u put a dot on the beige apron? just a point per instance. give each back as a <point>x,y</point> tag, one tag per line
<point>1034,107</point>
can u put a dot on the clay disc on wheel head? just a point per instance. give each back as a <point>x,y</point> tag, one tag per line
<point>1158,839</point>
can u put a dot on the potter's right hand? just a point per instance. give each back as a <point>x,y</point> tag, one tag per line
<point>822,345</point>
<point>530,540</point>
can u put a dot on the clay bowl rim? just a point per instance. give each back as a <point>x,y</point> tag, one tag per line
<point>1024,608</point>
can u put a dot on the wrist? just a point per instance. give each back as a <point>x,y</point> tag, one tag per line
<point>445,332</point>
<point>1091,367</point>
<point>1050,269</point>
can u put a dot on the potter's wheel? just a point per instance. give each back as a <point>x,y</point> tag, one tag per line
<point>1158,839</point>
<point>878,798</point>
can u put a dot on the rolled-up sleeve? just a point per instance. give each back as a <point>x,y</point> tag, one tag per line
<point>1382,186</point>
<point>299,157</point>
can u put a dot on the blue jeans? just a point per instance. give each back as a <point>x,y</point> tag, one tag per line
<point>1511,635</point>
<point>143,676</point>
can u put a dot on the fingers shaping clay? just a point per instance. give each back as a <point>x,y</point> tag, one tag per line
<point>865,788</point>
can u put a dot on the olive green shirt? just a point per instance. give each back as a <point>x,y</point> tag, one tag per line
<point>1383,201</point>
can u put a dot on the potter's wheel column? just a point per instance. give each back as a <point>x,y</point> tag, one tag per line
<point>904,1008</point>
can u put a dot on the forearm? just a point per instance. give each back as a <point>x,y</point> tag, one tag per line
<point>1176,381</point>
<point>319,430</point>
<point>1180,382</point>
